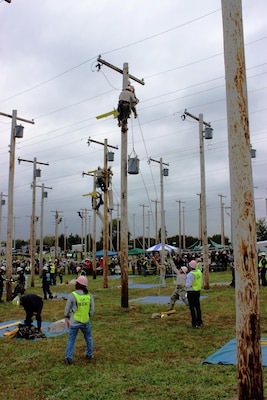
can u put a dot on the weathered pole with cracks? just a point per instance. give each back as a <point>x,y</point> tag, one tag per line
<point>250,385</point>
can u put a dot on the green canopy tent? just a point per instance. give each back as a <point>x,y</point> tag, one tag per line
<point>135,252</point>
<point>218,246</point>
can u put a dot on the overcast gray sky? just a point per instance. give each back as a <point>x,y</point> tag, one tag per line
<point>48,73</point>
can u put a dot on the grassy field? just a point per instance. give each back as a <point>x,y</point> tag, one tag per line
<point>136,357</point>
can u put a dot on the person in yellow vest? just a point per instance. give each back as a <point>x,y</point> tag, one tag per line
<point>52,270</point>
<point>199,264</point>
<point>78,310</point>
<point>262,268</point>
<point>80,271</point>
<point>193,286</point>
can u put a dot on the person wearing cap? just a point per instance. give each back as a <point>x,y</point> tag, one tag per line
<point>20,287</point>
<point>193,286</point>
<point>2,280</point>
<point>262,268</point>
<point>180,290</point>
<point>32,305</point>
<point>78,310</point>
<point>46,281</point>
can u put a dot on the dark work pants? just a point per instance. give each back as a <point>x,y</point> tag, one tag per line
<point>30,313</point>
<point>194,306</point>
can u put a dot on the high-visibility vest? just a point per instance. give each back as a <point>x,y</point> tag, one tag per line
<point>198,280</point>
<point>52,268</point>
<point>83,307</point>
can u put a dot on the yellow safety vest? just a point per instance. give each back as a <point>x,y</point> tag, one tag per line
<point>83,307</point>
<point>198,280</point>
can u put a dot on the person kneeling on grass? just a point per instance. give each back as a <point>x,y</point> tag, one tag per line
<point>78,310</point>
<point>180,290</point>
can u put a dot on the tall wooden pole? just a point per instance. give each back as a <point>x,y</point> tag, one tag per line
<point>204,232</point>
<point>124,205</point>
<point>249,358</point>
<point>105,224</point>
<point>124,202</point>
<point>33,223</point>
<point>10,208</point>
<point>203,207</point>
<point>94,233</point>
<point>222,219</point>
<point>162,215</point>
<point>10,211</point>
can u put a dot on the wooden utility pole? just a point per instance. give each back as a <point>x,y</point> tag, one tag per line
<point>124,201</point>
<point>180,224</point>
<point>156,220</point>
<point>93,194</point>
<point>58,219</point>
<point>249,357</point>
<point>105,222</point>
<point>203,206</point>
<point>10,211</point>
<point>33,216</point>
<point>183,229</point>
<point>43,196</point>
<point>143,218</point>
<point>162,210</point>
<point>222,219</point>
<point>2,203</point>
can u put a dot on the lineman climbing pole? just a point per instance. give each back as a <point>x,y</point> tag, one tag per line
<point>93,194</point>
<point>249,358</point>
<point>105,224</point>
<point>124,211</point>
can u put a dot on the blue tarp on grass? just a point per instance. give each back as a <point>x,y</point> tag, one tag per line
<point>226,355</point>
<point>45,330</point>
<point>159,299</point>
<point>143,285</point>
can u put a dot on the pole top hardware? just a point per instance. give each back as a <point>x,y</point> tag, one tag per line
<point>101,61</point>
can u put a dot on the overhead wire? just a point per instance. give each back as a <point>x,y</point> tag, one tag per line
<point>148,77</point>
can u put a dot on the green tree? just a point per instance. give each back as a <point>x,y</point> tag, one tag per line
<point>261,229</point>
<point>217,239</point>
<point>49,241</point>
<point>20,243</point>
<point>73,240</point>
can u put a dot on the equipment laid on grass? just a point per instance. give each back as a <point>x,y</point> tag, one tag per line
<point>11,334</point>
<point>163,314</point>
<point>10,324</point>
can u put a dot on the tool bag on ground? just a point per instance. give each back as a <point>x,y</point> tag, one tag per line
<point>26,332</point>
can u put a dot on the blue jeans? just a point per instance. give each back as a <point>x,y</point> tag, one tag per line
<point>86,330</point>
